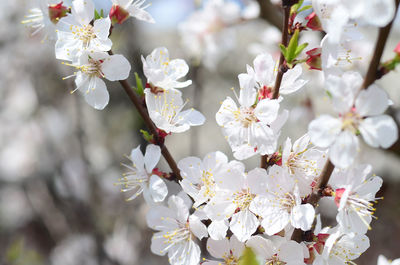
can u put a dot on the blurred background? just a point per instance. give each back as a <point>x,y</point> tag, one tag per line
<point>60,158</point>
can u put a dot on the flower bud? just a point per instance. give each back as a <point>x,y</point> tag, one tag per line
<point>57,11</point>
<point>397,49</point>
<point>314,59</point>
<point>118,15</point>
<point>313,22</point>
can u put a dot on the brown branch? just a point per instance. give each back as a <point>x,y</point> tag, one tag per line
<point>150,125</point>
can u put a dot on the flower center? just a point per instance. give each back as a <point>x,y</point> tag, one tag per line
<point>242,199</point>
<point>350,121</point>
<point>231,260</point>
<point>287,201</point>
<point>274,260</point>
<point>178,235</point>
<point>246,116</point>
<point>85,34</point>
<point>208,182</point>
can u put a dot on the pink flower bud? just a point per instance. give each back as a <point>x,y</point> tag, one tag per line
<point>56,12</point>
<point>313,22</point>
<point>314,59</point>
<point>118,15</point>
<point>397,49</point>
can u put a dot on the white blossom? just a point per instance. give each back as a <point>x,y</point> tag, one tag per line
<point>253,127</point>
<point>162,72</point>
<point>303,161</point>
<point>91,69</point>
<point>76,34</point>
<point>177,232</point>
<point>229,250</point>
<point>165,110</point>
<point>277,251</point>
<point>280,203</point>
<point>354,193</point>
<point>141,178</point>
<point>360,113</point>
<point>198,176</point>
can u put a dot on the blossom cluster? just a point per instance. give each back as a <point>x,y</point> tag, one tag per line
<point>234,207</point>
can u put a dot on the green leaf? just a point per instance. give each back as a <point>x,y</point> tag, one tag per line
<point>291,49</point>
<point>147,136</point>
<point>300,48</point>
<point>283,50</point>
<point>139,85</point>
<point>98,15</point>
<point>304,8</point>
<point>296,7</point>
<point>328,93</point>
<point>248,257</point>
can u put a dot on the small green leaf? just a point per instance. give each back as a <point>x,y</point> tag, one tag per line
<point>283,50</point>
<point>291,49</point>
<point>296,7</point>
<point>139,85</point>
<point>98,15</point>
<point>304,8</point>
<point>300,48</point>
<point>328,93</point>
<point>248,257</point>
<point>147,136</point>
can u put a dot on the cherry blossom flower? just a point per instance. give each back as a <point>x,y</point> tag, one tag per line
<point>177,232</point>
<point>358,114</point>
<point>122,9</point>
<point>163,73</point>
<point>303,161</point>
<point>264,75</point>
<point>165,110</point>
<point>342,249</point>
<point>198,176</point>
<point>354,195</point>
<point>280,203</point>
<point>45,17</point>
<point>277,251</point>
<point>335,15</point>
<point>92,67</point>
<point>382,260</point>
<point>253,127</point>
<point>141,178</point>
<point>235,197</point>
<point>229,250</point>
<point>76,34</point>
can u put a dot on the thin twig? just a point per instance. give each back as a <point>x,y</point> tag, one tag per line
<point>150,125</point>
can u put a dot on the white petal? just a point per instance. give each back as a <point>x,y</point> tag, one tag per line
<point>158,188</point>
<point>264,67</point>
<point>197,227</point>
<point>152,156</point>
<point>137,158</point>
<point>290,84</point>
<point>344,150</point>
<point>372,101</point>
<point>217,229</point>
<point>116,67</point>
<point>83,11</point>
<point>302,216</point>
<point>267,110</point>
<point>323,130</point>
<point>191,117</point>
<point>96,95</point>
<point>218,248</point>
<point>379,131</point>
<point>248,93</point>
<point>244,224</point>
<point>141,15</point>
<point>101,28</point>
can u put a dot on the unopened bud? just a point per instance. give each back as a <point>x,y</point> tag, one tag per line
<point>314,59</point>
<point>56,12</point>
<point>397,49</point>
<point>118,15</point>
<point>314,22</point>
